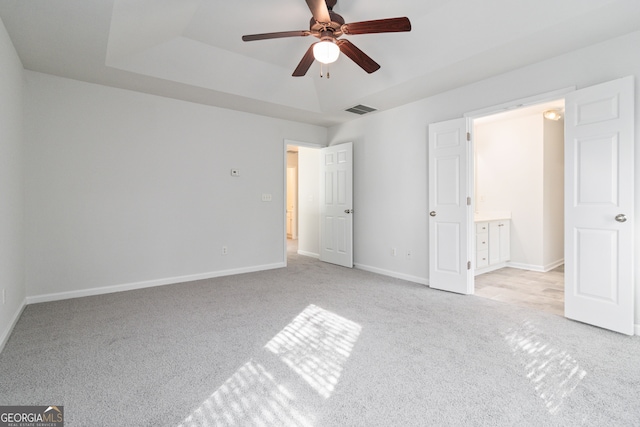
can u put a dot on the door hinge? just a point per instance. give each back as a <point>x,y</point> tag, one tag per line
<point>468,265</point>
<point>468,201</point>
<point>468,136</point>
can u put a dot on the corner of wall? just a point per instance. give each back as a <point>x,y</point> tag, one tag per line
<point>12,254</point>
<point>6,333</point>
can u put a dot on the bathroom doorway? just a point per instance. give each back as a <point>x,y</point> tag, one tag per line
<point>518,185</point>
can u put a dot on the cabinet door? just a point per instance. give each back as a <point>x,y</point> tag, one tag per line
<point>494,242</point>
<point>505,241</point>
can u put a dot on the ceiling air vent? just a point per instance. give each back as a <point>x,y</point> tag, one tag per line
<point>360,109</point>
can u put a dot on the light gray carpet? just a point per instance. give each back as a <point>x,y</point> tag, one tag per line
<point>318,345</point>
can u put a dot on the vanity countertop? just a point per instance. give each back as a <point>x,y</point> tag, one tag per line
<point>490,216</point>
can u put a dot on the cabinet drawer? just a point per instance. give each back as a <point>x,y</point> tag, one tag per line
<point>482,227</point>
<point>482,259</point>
<point>482,242</point>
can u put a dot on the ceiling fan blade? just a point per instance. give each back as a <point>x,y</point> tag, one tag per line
<point>305,63</point>
<point>358,56</point>
<point>319,10</point>
<point>281,34</point>
<point>391,25</point>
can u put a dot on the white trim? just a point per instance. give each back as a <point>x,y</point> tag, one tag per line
<point>394,274</point>
<point>538,268</point>
<point>553,265</point>
<point>522,102</point>
<point>285,143</point>
<point>489,268</point>
<point>147,284</point>
<point>303,144</point>
<point>637,328</point>
<point>7,332</point>
<point>309,254</point>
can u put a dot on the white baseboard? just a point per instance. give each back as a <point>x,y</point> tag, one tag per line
<point>147,284</point>
<point>395,274</point>
<point>553,265</point>
<point>539,268</point>
<point>7,332</point>
<point>309,254</point>
<point>489,268</point>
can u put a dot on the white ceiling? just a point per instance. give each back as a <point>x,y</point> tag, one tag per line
<point>192,49</point>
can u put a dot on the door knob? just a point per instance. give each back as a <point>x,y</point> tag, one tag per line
<point>621,218</point>
<point>348,211</point>
<point>432,213</point>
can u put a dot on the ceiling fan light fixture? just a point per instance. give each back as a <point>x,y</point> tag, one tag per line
<point>326,51</point>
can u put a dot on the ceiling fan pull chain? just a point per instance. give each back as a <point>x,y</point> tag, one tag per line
<point>321,75</point>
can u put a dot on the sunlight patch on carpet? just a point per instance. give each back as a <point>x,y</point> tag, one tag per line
<point>315,345</point>
<point>553,372</point>
<point>251,396</point>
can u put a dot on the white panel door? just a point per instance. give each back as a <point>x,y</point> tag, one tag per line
<point>599,214</point>
<point>336,204</point>
<point>448,211</point>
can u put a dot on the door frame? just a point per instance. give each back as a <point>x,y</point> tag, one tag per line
<point>285,143</point>
<point>489,111</point>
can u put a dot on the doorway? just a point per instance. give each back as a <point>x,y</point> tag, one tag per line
<point>598,202</point>
<point>292,193</point>
<point>301,207</point>
<point>324,181</point>
<point>518,183</point>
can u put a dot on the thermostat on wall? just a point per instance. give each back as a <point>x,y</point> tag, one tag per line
<point>235,172</point>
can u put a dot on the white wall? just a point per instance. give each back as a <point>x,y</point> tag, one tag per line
<point>553,194</point>
<point>509,156</point>
<point>390,189</point>
<point>11,186</point>
<point>390,155</point>
<point>129,189</point>
<point>520,169</point>
<point>308,201</point>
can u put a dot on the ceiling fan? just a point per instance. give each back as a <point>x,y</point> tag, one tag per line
<point>328,26</point>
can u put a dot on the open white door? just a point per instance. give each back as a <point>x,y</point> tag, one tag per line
<point>336,204</point>
<point>449,257</point>
<point>599,215</point>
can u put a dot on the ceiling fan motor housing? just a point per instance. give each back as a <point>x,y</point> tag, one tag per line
<point>334,26</point>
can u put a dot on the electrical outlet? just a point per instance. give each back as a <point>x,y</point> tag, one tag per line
<point>409,254</point>
<point>266,197</point>
<point>225,250</point>
<point>394,252</point>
